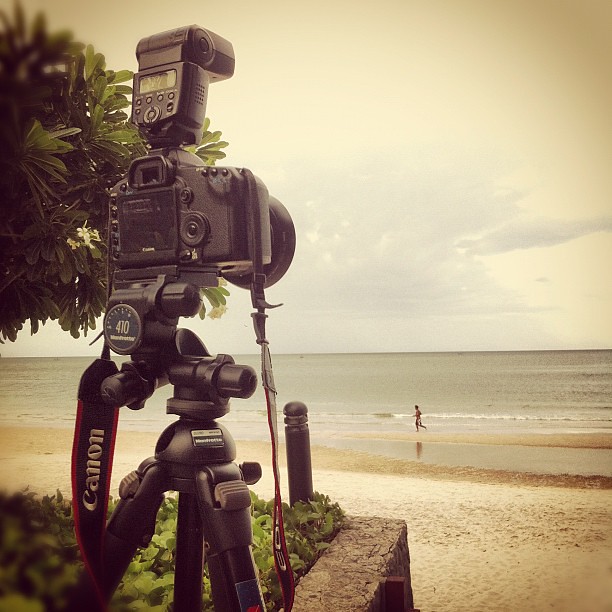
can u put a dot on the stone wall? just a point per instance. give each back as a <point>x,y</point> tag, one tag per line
<point>350,575</point>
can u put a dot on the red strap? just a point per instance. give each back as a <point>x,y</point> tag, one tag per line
<point>92,460</point>
<point>281,556</point>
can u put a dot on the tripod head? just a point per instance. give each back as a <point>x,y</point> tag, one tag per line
<point>202,384</point>
<point>141,321</point>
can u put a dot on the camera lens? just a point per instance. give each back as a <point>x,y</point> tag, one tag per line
<point>283,241</point>
<point>194,228</point>
<point>282,233</point>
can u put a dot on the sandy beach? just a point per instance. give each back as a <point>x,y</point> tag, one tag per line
<point>479,539</point>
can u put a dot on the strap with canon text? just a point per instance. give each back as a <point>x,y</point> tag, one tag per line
<point>92,460</point>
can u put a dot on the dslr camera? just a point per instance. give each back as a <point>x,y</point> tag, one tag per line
<point>177,225</point>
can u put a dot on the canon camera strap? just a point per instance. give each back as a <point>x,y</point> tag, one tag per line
<point>258,299</point>
<point>281,555</point>
<point>92,459</point>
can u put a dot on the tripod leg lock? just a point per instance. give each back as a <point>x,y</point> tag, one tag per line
<point>225,508</point>
<point>129,485</point>
<point>233,495</point>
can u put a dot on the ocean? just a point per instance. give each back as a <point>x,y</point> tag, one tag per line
<point>365,395</point>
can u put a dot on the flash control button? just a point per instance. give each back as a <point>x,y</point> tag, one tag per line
<point>152,114</point>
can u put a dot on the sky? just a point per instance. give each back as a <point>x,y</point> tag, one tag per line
<point>447,165</point>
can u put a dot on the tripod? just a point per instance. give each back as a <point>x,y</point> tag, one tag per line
<point>195,457</point>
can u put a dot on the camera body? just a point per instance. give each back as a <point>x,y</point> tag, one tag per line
<point>193,216</point>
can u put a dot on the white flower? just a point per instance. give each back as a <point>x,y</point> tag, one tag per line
<point>217,312</point>
<point>83,234</point>
<point>87,237</point>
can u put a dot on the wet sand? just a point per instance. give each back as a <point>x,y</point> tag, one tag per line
<point>479,539</point>
<point>548,440</point>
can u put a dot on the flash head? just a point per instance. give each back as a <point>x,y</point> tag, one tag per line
<point>192,44</point>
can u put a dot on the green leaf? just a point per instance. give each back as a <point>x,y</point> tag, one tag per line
<point>48,163</point>
<point>111,152</point>
<point>209,137</point>
<point>120,77</point>
<point>124,90</point>
<point>66,271</point>
<point>36,137</point>
<point>124,136</point>
<point>209,156</point>
<point>59,252</point>
<point>149,553</point>
<point>93,62</point>
<point>96,119</point>
<point>63,133</point>
<point>48,248</point>
<point>99,89</point>
<point>33,253</point>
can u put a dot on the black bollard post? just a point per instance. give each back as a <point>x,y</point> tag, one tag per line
<point>297,440</point>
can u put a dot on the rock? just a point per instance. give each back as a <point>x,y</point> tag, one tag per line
<point>350,575</point>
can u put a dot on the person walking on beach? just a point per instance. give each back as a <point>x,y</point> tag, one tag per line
<point>417,421</point>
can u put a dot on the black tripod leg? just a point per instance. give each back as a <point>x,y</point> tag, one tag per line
<point>189,560</point>
<point>131,525</point>
<point>224,503</point>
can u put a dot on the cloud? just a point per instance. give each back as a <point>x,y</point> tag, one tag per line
<point>529,233</point>
<point>380,239</point>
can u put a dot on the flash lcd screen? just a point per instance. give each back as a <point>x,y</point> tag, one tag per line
<point>157,81</point>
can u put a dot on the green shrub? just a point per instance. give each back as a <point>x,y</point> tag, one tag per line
<point>65,137</point>
<point>40,560</point>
